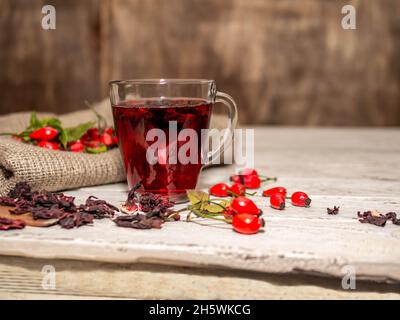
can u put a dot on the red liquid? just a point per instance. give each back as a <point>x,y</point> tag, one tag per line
<point>133,120</point>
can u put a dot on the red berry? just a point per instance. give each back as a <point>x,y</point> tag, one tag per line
<point>93,133</point>
<point>109,131</point>
<point>77,147</point>
<point>48,145</point>
<point>244,205</point>
<point>219,190</point>
<point>85,137</point>
<point>115,140</point>
<point>300,199</point>
<point>252,182</point>
<point>247,223</point>
<point>237,179</point>
<point>237,189</point>
<point>229,211</point>
<point>277,201</point>
<point>45,133</point>
<point>270,192</point>
<point>106,139</point>
<point>248,172</point>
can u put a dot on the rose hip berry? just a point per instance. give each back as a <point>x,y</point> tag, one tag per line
<point>237,189</point>
<point>48,145</point>
<point>46,134</point>
<point>77,146</point>
<point>277,201</point>
<point>252,182</point>
<point>237,179</point>
<point>247,223</point>
<point>270,192</point>
<point>109,131</point>
<point>229,211</point>
<point>219,190</point>
<point>93,133</point>
<point>244,205</point>
<point>300,199</point>
<point>248,172</point>
<point>106,139</point>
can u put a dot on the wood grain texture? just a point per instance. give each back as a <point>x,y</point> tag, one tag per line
<point>21,278</point>
<point>48,70</point>
<point>356,169</point>
<point>285,62</point>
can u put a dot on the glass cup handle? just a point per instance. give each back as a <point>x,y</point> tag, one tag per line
<point>228,101</point>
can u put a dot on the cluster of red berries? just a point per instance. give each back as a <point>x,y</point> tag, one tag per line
<point>277,198</point>
<point>93,140</point>
<point>250,178</point>
<point>244,212</point>
<point>246,179</point>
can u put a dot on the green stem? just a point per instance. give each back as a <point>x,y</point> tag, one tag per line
<point>218,204</point>
<point>233,193</point>
<point>205,216</point>
<point>251,194</point>
<point>269,179</point>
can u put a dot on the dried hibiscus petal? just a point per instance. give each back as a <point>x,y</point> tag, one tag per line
<point>75,219</point>
<point>8,224</point>
<point>51,205</point>
<point>392,216</point>
<point>6,201</point>
<point>372,218</point>
<point>139,221</point>
<point>47,213</point>
<point>98,208</point>
<point>333,211</point>
<point>149,201</point>
<point>22,190</point>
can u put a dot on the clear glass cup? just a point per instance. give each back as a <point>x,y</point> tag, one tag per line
<point>161,125</point>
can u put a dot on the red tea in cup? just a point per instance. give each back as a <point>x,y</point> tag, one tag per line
<point>162,127</point>
<point>133,121</point>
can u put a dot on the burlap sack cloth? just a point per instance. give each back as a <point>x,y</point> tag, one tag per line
<point>60,170</point>
<point>55,170</point>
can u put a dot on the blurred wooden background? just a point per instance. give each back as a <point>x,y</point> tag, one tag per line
<point>285,62</point>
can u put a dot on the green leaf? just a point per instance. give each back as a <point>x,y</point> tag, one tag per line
<point>100,149</point>
<point>75,133</point>
<point>214,208</point>
<point>197,198</point>
<point>63,137</point>
<point>34,122</point>
<point>51,122</point>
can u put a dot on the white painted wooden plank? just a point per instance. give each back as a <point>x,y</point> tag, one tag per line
<point>354,168</point>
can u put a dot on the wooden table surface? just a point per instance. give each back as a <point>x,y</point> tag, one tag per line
<point>304,253</point>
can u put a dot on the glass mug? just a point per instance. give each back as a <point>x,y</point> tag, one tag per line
<point>160,128</point>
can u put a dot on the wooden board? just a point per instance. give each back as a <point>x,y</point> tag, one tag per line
<point>27,217</point>
<point>355,169</point>
<point>21,278</point>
